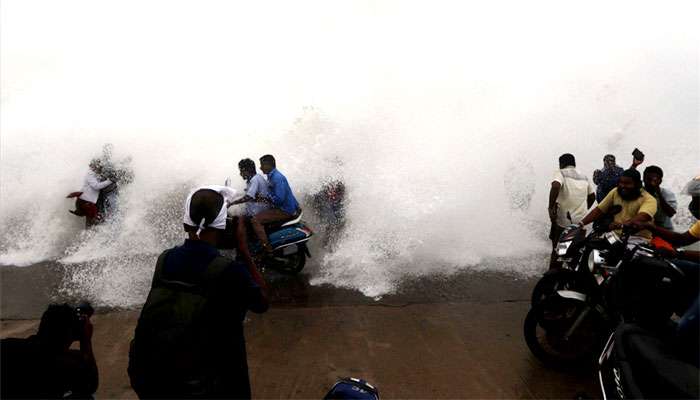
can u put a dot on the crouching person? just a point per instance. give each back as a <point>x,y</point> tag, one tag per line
<point>189,339</point>
<point>43,366</point>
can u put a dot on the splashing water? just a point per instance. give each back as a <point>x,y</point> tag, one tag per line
<point>445,136</point>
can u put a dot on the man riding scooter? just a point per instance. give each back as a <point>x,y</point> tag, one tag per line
<point>284,206</point>
<point>256,189</point>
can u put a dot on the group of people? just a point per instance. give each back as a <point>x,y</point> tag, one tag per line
<point>625,198</point>
<point>188,341</point>
<point>267,200</point>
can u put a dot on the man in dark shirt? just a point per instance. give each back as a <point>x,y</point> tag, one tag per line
<point>607,178</point>
<point>189,339</point>
<point>43,366</point>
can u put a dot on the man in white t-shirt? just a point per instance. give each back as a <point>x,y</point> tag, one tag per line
<point>570,197</point>
<point>256,190</point>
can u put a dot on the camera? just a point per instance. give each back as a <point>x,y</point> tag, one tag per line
<point>80,313</point>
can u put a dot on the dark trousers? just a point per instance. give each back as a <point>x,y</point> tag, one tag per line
<point>554,234</point>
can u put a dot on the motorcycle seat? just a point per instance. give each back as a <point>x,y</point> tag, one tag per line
<point>651,366</point>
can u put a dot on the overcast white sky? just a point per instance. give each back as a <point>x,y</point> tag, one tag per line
<point>173,63</point>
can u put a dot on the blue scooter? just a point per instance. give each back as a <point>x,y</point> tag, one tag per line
<point>288,240</point>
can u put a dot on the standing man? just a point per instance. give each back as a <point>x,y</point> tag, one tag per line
<point>284,205</point>
<point>606,179</point>
<point>570,197</point>
<point>666,200</point>
<point>256,189</point>
<point>189,339</point>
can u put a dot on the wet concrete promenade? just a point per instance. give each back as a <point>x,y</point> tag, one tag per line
<point>451,337</point>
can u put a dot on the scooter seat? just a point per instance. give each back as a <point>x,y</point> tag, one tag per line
<point>281,224</point>
<point>293,221</point>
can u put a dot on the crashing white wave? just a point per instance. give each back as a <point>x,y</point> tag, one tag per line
<point>446,138</point>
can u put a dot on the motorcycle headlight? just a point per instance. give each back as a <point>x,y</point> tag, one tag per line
<point>562,248</point>
<point>612,238</point>
<point>595,258</point>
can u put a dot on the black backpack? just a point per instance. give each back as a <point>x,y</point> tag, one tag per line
<point>166,354</point>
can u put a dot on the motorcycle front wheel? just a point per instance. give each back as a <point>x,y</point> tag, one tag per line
<point>550,337</point>
<point>561,279</point>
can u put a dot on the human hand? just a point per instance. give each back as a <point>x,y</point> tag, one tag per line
<point>667,253</point>
<point>614,226</point>
<point>640,225</point>
<point>636,163</point>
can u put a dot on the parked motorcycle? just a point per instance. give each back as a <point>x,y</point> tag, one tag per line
<point>577,251</point>
<point>639,362</point>
<point>568,327</point>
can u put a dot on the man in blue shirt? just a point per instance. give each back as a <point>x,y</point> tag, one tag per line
<point>284,205</point>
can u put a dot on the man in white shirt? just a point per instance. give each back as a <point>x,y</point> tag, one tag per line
<point>86,203</point>
<point>256,190</point>
<point>570,197</point>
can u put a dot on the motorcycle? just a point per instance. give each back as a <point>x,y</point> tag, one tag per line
<point>569,326</point>
<point>640,362</point>
<point>577,251</point>
<point>583,257</point>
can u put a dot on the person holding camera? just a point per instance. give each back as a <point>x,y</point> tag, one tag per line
<point>189,339</point>
<point>44,366</point>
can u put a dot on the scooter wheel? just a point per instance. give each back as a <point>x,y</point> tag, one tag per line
<point>298,261</point>
<point>289,264</point>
